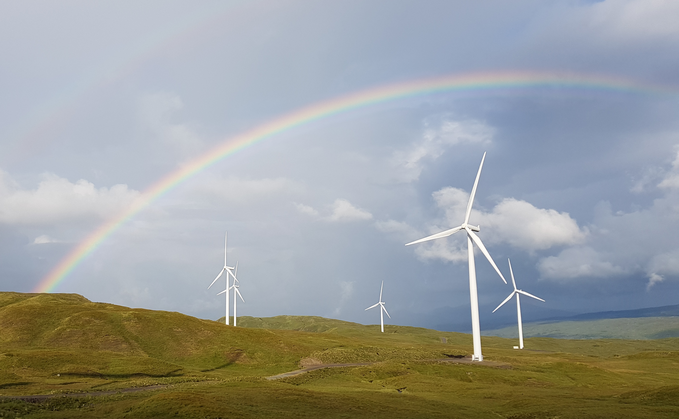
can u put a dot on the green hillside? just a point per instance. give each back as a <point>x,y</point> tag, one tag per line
<point>300,323</point>
<point>632,328</point>
<point>62,343</point>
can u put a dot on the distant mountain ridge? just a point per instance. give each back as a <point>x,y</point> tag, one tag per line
<point>663,311</point>
<point>644,323</point>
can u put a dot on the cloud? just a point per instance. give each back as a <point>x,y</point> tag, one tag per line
<point>577,262</point>
<point>653,279</point>
<point>155,112</point>
<point>340,211</point>
<point>57,200</point>
<point>440,132</point>
<point>346,291</point>
<point>635,19</point>
<point>305,209</point>
<point>526,227</point>
<point>452,249</point>
<point>627,243</point>
<point>670,179</point>
<point>662,265</point>
<point>343,210</point>
<point>45,239</point>
<point>512,221</point>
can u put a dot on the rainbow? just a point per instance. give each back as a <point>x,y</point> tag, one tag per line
<point>361,99</point>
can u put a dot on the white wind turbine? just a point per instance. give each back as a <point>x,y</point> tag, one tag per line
<point>235,288</point>
<point>518,304</point>
<point>472,239</point>
<point>228,270</point>
<point>383,309</point>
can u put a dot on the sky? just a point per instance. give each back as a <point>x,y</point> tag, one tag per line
<point>102,102</point>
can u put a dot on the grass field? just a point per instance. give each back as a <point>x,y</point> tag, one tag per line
<point>63,343</point>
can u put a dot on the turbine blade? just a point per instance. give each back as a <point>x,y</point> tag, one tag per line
<point>480,245</point>
<point>239,294</point>
<point>471,196</point>
<point>232,275</point>
<point>213,282</point>
<point>225,235</point>
<point>385,310</point>
<point>530,295</point>
<point>381,290</point>
<point>512,272</point>
<point>372,306</point>
<point>236,270</point>
<point>437,235</point>
<point>222,292</point>
<point>506,299</point>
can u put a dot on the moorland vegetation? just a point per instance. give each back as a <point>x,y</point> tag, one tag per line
<point>87,357</point>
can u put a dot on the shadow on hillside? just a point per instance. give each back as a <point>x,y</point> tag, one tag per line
<point>10,385</point>
<point>454,356</point>
<point>173,373</point>
<point>231,358</point>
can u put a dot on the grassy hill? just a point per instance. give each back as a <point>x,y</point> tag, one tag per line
<point>63,343</point>
<point>619,328</point>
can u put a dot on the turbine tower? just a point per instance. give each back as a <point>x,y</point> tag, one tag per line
<point>518,304</point>
<point>383,309</point>
<point>472,239</point>
<point>235,288</point>
<point>228,270</point>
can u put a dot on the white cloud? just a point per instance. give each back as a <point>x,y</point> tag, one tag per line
<point>343,210</point>
<point>653,279</point>
<point>452,249</point>
<point>340,211</point>
<point>662,265</point>
<point>671,179</point>
<point>526,227</point>
<point>440,132</point>
<point>515,222</point>
<point>305,209</point>
<point>45,239</point>
<point>577,262</point>
<point>57,200</point>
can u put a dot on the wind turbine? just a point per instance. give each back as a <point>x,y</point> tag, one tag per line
<point>518,304</point>
<point>383,309</point>
<point>235,287</point>
<point>472,239</point>
<point>228,270</point>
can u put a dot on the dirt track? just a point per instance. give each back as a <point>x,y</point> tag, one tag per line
<point>361,364</point>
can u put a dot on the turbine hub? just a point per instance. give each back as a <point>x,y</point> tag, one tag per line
<point>472,227</point>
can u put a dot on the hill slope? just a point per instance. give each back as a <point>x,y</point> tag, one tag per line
<point>61,343</point>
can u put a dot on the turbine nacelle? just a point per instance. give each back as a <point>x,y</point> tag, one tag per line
<point>471,227</point>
